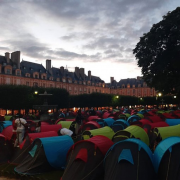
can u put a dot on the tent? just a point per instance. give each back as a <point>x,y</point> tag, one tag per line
<point>167,158</point>
<point>6,149</point>
<point>129,159</point>
<point>172,122</point>
<point>92,118</point>
<point>89,126</point>
<point>162,133</point>
<point>53,127</point>
<point>8,133</point>
<point>119,124</point>
<point>21,151</point>
<point>133,118</point>
<point>105,131</point>
<point>141,122</point>
<point>8,118</point>
<point>45,155</point>
<point>85,159</point>
<point>131,132</point>
<point>4,124</point>
<point>124,116</point>
<point>105,122</point>
<point>71,125</point>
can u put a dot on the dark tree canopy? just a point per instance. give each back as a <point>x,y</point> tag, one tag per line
<point>158,54</point>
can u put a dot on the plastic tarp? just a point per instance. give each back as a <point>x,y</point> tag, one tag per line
<point>56,149</point>
<point>161,148</point>
<point>137,132</point>
<point>172,122</point>
<point>169,131</point>
<point>105,131</point>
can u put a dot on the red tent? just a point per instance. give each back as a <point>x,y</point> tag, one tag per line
<point>85,158</point>
<point>54,127</point>
<point>8,132</point>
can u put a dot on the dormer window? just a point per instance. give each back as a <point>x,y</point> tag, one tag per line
<point>69,80</point>
<point>123,86</point>
<point>18,72</point>
<point>133,86</point>
<point>84,82</point>
<point>8,71</point>
<point>63,80</point>
<point>139,85</point>
<point>128,85</point>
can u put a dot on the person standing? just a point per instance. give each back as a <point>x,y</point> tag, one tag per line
<point>20,123</point>
<point>78,121</point>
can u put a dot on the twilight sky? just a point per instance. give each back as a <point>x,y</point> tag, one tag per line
<point>96,35</point>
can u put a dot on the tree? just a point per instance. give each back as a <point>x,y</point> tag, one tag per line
<point>158,54</point>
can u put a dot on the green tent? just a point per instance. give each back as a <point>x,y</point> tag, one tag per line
<point>8,118</point>
<point>105,131</point>
<point>168,131</point>
<point>66,124</point>
<point>131,132</point>
<point>140,115</point>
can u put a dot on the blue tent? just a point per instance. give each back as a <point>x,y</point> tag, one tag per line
<point>172,122</point>
<point>46,154</point>
<point>133,118</point>
<point>166,158</point>
<point>119,124</point>
<point>105,122</point>
<point>128,158</point>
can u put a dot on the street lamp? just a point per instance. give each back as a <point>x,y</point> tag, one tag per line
<point>36,92</point>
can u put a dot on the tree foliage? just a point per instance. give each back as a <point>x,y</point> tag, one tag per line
<point>158,54</point>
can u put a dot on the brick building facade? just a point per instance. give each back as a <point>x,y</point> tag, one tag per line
<point>12,71</point>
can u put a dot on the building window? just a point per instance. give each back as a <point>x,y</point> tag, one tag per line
<point>18,81</point>
<point>84,83</point>
<point>8,71</point>
<point>51,85</point>
<point>18,73</point>
<point>133,86</point>
<point>7,80</point>
<point>44,77</point>
<point>27,83</point>
<point>84,89</point>
<point>36,76</point>
<point>123,86</point>
<point>64,80</point>
<point>139,85</point>
<point>43,85</point>
<point>35,84</point>
<point>128,85</point>
<point>70,81</point>
<point>80,89</point>
<point>70,88</point>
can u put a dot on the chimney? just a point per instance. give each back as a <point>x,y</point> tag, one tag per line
<point>62,70</point>
<point>15,57</point>
<point>89,75</point>
<point>48,65</point>
<point>111,79</point>
<point>7,56</point>
<point>82,72</point>
<point>77,71</point>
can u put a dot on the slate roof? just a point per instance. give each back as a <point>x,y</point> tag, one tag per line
<point>29,67</point>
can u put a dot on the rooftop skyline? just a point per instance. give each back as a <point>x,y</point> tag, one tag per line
<point>97,35</point>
